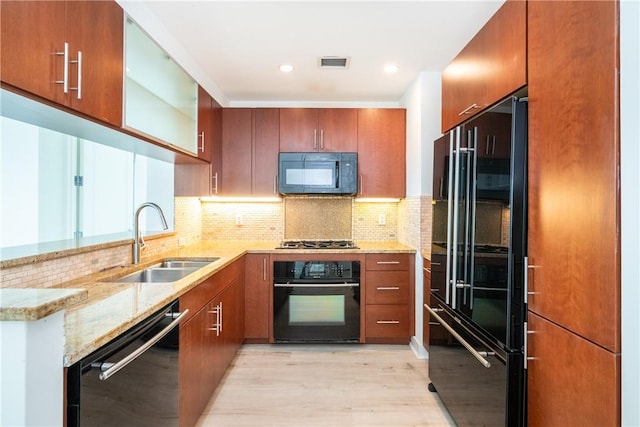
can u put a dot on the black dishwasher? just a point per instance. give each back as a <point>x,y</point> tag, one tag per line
<point>132,380</point>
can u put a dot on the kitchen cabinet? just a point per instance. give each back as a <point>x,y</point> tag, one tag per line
<point>209,338</point>
<point>574,210</point>
<point>249,152</point>
<point>161,99</point>
<point>258,282</point>
<point>70,52</point>
<point>200,178</point>
<point>572,381</point>
<point>206,129</point>
<point>322,129</point>
<point>381,152</point>
<point>489,68</point>
<point>389,290</point>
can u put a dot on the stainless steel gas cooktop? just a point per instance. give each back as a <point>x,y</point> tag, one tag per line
<point>317,244</point>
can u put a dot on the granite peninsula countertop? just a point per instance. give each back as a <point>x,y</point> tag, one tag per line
<point>98,308</point>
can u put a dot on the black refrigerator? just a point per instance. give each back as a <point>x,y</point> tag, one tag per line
<point>477,305</point>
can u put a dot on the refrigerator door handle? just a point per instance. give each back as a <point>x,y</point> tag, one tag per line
<point>454,225</point>
<point>484,362</point>
<point>449,219</point>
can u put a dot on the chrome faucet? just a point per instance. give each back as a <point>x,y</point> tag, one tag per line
<point>138,241</point>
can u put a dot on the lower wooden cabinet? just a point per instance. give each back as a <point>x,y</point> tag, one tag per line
<point>257,303</point>
<point>210,338</point>
<point>571,381</point>
<point>389,296</point>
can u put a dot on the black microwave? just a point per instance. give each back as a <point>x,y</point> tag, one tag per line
<point>318,173</point>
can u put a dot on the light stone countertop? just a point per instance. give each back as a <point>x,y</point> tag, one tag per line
<point>99,309</point>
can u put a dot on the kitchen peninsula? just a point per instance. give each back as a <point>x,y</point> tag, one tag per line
<point>98,308</point>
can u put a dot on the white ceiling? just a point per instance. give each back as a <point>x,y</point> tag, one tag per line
<point>234,48</point>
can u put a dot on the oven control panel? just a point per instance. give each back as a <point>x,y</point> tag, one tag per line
<point>291,271</point>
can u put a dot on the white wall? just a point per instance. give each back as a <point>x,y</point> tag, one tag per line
<point>423,103</point>
<point>630,216</point>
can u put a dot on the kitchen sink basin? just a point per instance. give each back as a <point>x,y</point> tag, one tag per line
<point>157,275</point>
<point>169,270</point>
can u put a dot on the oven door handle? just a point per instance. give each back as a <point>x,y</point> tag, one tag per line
<point>138,352</point>
<point>316,285</point>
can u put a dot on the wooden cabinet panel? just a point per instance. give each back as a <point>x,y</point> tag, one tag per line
<point>381,152</point>
<point>325,129</point>
<point>491,66</point>
<point>30,59</point>
<point>574,198</point>
<point>388,261</point>
<point>387,287</point>
<point>249,152</point>
<point>237,132</point>
<point>338,129</point>
<point>387,321</point>
<point>266,143</point>
<point>298,129</point>
<point>205,124</point>
<point>257,303</point>
<point>209,338</point>
<point>571,381</point>
<point>96,28</point>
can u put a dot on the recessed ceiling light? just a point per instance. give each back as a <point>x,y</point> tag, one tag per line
<point>391,68</point>
<point>286,68</point>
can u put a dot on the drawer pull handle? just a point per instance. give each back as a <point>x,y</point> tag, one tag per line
<point>388,322</point>
<point>387,262</point>
<point>428,270</point>
<point>388,288</point>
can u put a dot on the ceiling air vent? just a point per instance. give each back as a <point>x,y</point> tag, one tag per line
<point>336,62</point>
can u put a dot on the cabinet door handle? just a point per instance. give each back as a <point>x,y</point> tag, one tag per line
<point>315,139</point>
<point>486,147</point>
<point>426,269</point>
<point>388,322</point>
<point>214,178</point>
<point>361,185</point>
<point>387,262</point>
<point>493,146</point>
<point>388,288</point>
<point>468,109</point>
<point>79,87</point>
<point>321,139</point>
<point>264,269</point>
<point>201,147</point>
<point>275,184</point>
<point>65,71</point>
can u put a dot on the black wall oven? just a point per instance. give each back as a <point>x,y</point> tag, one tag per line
<point>316,301</point>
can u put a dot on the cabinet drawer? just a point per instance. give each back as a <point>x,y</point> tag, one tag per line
<point>387,287</point>
<point>387,321</point>
<point>387,262</point>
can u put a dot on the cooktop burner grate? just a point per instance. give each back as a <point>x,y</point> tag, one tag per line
<point>317,244</point>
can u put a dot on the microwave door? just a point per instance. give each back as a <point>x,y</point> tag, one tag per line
<point>321,174</point>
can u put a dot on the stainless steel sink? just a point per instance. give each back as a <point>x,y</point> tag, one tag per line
<point>169,270</point>
<point>157,275</point>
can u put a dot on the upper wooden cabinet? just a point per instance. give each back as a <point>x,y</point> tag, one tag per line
<point>574,276</point>
<point>491,66</point>
<point>69,52</point>
<point>323,129</point>
<point>206,127</point>
<point>574,160</point>
<point>249,152</point>
<point>381,152</point>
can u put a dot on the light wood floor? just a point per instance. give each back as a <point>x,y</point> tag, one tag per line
<point>325,385</point>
